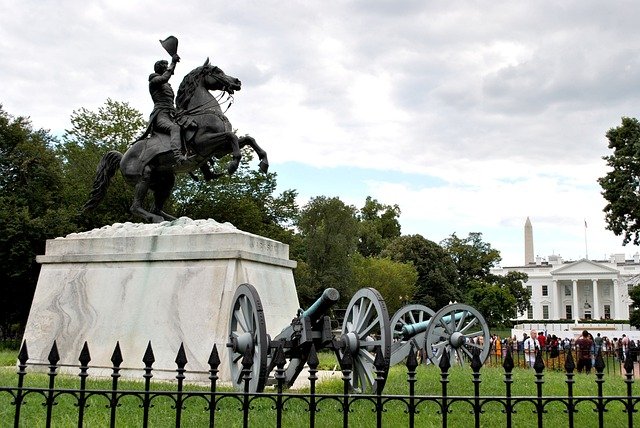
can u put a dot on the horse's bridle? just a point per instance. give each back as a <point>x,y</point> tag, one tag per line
<point>225,84</point>
<point>225,88</point>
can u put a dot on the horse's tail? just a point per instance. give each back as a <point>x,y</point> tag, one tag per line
<point>107,167</point>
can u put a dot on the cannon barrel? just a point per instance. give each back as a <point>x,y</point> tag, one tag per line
<point>411,330</point>
<point>320,307</point>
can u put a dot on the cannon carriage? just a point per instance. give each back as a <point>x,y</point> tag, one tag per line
<point>365,328</point>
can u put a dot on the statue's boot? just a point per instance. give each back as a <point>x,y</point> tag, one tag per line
<point>178,157</point>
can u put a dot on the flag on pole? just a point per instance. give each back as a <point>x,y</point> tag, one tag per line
<point>586,249</point>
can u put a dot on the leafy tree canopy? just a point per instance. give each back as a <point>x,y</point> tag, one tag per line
<point>31,211</point>
<point>113,126</point>
<point>395,281</point>
<point>493,301</point>
<point>437,283</point>
<point>329,233</point>
<point>378,225</point>
<point>473,257</point>
<point>621,185</point>
<point>498,298</point>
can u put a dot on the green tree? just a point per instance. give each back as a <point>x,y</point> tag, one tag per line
<point>514,282</point>
<point>113,126</point>
<point>378,226</point>
<point>395,281</point>
<point>31,211</point>
<point>329,232</point>
<point>473,257</point>
<point>437,283</point>
<point>634,315</point>
<point>496,304</point>
<point>621,185</point>
<point>498,298</point>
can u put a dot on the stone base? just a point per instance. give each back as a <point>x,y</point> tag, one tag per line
<point>168,283</point>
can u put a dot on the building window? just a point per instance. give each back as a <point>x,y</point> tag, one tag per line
<point>545,312</point>
<point>568,312</point>
<point>607,312</point>
<point>530,290</point>
<point>545,290</point>
<point>567,290</point>
<point>530,312</point>
<point>606,291</point>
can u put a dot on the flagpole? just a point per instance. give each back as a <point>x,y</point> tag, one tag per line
<point>586,250</point>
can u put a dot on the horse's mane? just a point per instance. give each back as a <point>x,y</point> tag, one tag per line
<point>189,85</point>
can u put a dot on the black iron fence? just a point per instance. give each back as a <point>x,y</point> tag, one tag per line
<point>311,408</point>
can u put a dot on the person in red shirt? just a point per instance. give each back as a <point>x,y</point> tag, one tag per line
<point>542,340</point>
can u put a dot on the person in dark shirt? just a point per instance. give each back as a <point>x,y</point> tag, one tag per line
<point>597,341</point>
<point>583,349</point>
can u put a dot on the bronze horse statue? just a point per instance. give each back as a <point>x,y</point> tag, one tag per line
<point>149,163</point>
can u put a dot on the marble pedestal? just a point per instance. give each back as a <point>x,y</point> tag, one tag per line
<point>168,283</point>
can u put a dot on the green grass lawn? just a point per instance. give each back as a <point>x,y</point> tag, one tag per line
<point>262,414</point>
<point>8,358</point>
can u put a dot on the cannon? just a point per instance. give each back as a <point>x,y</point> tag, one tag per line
<point>365,327</point>
<point>404,337</point>
<point>457,329</point>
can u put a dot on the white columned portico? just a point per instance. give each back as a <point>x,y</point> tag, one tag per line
<point>576,306</point>
<point>596,302</point>
<point>616,296</point>
<point>557,301</point>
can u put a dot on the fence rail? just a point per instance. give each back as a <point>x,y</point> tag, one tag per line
<point>613,359</point>
<point>309,406</point>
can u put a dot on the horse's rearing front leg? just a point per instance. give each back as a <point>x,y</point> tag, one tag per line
<point>235,153</point>
<point>262,155</point>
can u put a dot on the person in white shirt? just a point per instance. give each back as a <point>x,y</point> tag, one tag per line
<point>530,347</point>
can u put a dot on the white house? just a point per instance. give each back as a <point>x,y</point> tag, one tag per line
<point>576,290</point>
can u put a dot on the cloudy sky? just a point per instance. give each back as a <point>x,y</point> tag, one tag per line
<point>469,115</point>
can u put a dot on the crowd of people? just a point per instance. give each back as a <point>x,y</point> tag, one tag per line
<point>586,347</point>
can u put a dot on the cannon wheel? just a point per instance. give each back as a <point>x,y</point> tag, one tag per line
<point>247,327</point>
<point>366,325</point>
<point>407,315</point>
<point>456,329</point>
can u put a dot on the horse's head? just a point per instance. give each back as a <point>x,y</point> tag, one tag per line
<point>208,77</point>
<point>214,79</point>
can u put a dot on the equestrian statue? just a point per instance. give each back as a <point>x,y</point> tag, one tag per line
<point>180,137</point>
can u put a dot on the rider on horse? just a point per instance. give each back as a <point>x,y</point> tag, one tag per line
<point>162,117</point>
<point>148,165</point>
